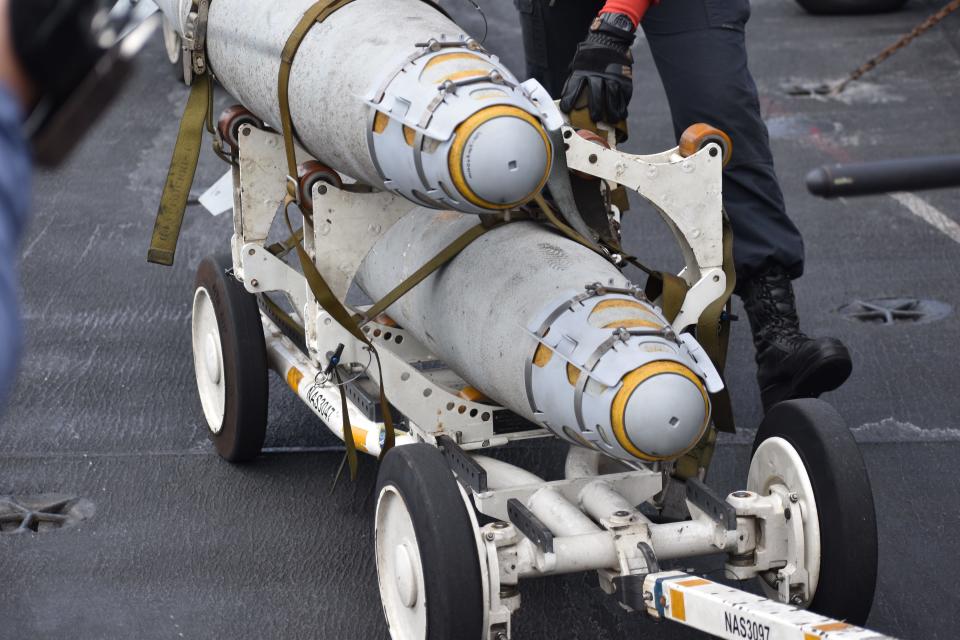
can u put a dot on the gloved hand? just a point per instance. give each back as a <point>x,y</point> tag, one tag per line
<point>601,74</point>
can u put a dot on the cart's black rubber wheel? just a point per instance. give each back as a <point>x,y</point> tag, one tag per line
<point>850,7</point>
<point>844,504</point>
<point>426,549</point>
<point>230,359</point>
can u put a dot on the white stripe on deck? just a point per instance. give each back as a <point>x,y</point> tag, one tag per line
<point>929,214</point>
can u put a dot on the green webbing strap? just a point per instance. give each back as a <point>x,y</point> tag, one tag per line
<point>318,286</point>
<point>421,274</point>
<point>555,220</point>
<point>315,14</point>
<point>348,441</point>
<point>280,248</point>
<point>329,302</point>
<point>713,334</point>
<point>183,166</point>
<point>670,288</point>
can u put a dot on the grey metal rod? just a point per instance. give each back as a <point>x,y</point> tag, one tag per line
<point>885,176</point>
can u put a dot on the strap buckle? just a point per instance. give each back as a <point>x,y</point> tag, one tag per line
<point>194,41</point>
<point>293,190</point>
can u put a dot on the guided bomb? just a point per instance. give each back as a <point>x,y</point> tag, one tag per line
<point>552,331</point>
<point>391,94</point>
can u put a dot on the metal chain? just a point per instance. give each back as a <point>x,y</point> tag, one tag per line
<point>870,64</point>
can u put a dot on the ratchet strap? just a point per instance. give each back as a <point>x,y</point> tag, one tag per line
<point>580,119</point>
<point>321,291</point>
<point>421,274</point>
<point>713,333</point>
<point>183,167</point>
<point>316,14</point>
<point>325,297</point>
<point>329,302</point>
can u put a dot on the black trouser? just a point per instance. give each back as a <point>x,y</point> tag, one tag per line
<point>700,52</point>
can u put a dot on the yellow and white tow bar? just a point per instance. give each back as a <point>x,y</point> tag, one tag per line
<point>726,612</point>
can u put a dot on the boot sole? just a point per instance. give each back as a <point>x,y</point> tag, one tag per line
<point>822,374</point>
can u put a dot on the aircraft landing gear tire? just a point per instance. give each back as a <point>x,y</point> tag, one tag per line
<point>428,568</point>
<point>805,445</point>
<point>230,361</point>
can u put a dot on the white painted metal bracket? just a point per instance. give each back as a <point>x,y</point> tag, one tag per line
<point>266,272</point>
<point>347,225</point>
<point>259,180</point>
<point>687,192</point>
<point>432,409</point>
<point>636,486</point>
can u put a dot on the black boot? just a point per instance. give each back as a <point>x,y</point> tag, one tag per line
<point>789,363</point>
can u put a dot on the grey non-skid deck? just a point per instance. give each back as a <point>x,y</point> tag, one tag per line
<point>185,545</point>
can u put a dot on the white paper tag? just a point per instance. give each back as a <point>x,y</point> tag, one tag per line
<point>219,197</point>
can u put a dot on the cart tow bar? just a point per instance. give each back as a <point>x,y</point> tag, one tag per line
<point>727,612</point>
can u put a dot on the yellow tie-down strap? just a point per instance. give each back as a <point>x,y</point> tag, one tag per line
<point>726,612</point>
<point>183,168</point>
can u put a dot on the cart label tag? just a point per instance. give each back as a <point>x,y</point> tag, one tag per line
<point>742,627</point>
<point>323,406</point>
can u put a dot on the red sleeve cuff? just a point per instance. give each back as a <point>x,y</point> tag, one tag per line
<point>633,9</point>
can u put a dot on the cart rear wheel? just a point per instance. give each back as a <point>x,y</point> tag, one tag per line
<point>805,445</point>
<point>230,361</point>
<point>172,45</point>
<point>426,548</point>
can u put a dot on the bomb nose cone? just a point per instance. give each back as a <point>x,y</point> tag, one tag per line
<point>500,158</point>
<point>661,411</point>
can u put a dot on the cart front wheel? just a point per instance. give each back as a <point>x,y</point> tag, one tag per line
<point>426,548</point>
<point>805,446</point>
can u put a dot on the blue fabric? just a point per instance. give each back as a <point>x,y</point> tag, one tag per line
<point>14,207</point>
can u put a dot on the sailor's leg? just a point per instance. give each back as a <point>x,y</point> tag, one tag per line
<point>552,29</point>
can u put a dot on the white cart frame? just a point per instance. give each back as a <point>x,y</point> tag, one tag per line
<point>591,517</point>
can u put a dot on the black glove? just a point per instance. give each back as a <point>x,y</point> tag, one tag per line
<point>602,70</point>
